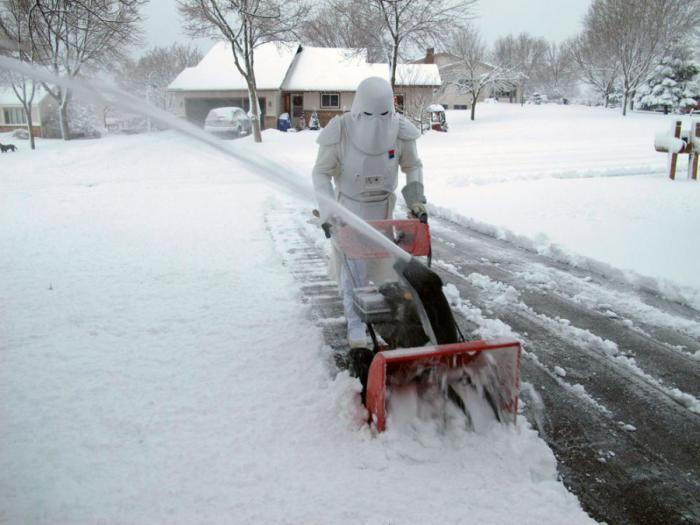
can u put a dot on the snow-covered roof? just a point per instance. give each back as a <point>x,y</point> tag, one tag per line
<point>330,69</point>
<point>341,69</point>
<point>417,75</point>
<point>217,70</point>
<point>8,97</point>
<point>279,66</point>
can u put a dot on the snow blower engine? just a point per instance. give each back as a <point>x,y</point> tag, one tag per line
<point>415,338</point>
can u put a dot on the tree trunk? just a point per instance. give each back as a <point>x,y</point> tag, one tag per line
<point>624,103</point>
<point>255,110</point>
<point>30,126</point>
<point>63,120</point>
<point>394,59</point>
<point>473,106</point>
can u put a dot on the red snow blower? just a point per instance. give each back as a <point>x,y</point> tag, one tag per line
<point>420,340</point>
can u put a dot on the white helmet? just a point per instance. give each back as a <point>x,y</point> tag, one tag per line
<point>373,125</point>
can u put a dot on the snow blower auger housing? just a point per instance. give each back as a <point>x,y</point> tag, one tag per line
<point>495,364</point>
<point>423,341</point>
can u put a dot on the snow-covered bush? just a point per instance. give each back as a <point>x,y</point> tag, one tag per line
<point>85,121</point>
<point>314,123</point>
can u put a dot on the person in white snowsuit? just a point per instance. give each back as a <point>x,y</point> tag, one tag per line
<point>358,159</point>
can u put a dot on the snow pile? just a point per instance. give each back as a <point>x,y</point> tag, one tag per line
<point>157,364</point>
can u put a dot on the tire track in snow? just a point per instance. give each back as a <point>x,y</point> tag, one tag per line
<point>654,453</point>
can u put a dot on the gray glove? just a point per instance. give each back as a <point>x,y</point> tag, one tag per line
<point>415,200</point>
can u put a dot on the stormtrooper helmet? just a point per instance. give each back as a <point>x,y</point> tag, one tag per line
<point>373,125</point>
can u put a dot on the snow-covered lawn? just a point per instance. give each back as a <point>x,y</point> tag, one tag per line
<point>584,185</point>
<point>158,366</point>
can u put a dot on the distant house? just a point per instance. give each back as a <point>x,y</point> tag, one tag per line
<point>450,97</point>
<point>12,115</point>
<point>293,79</point>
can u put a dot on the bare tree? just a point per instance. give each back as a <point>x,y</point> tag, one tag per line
<point>150,75</point>
<point>343,23</point>
<point>470,73</point>
<point>636,32</point>
<point>14,29</point>
<point>416,23</point>
<point>246,25</point>
<point>596,65</point>
<point>523,54</point>
<point>557,74</point>
<point>71,35</point>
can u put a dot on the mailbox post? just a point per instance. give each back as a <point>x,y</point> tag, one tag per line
<point>680,142</point>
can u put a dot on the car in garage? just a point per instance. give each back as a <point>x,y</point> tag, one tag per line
<point>228,121</point>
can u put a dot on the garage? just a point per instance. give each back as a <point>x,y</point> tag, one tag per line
<point>196,109</point>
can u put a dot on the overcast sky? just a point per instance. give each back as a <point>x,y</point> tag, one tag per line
<point>552,19</point>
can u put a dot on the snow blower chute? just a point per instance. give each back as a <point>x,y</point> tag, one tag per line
<point>420,340</point>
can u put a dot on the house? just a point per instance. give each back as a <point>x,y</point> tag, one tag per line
<point>294,79</point>
<point>215,82</point>
<point>450,97</point>
<point>325,79</point>
<point>12,115</point>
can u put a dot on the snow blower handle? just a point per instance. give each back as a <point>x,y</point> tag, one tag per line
<point>326,226</point>
<point>419,212</point>
<point>415,200</point>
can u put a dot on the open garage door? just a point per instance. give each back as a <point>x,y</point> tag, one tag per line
<point>196,109</point>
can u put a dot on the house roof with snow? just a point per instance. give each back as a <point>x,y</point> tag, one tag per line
<point>330,69</point>
<point>418,75</point>
<point>217,70</point>
<point>341,69</point>
<point>291,67</point>
<point>8,97</point>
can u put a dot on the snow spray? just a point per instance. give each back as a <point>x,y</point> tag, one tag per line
<point>104,93</point>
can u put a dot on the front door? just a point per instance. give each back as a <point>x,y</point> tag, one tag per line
<point>297,108</point>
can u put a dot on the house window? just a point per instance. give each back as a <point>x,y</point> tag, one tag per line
<point>330,100</point>
<point>14,116</point>
<point>460,106</point>
<point>399,102</point>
